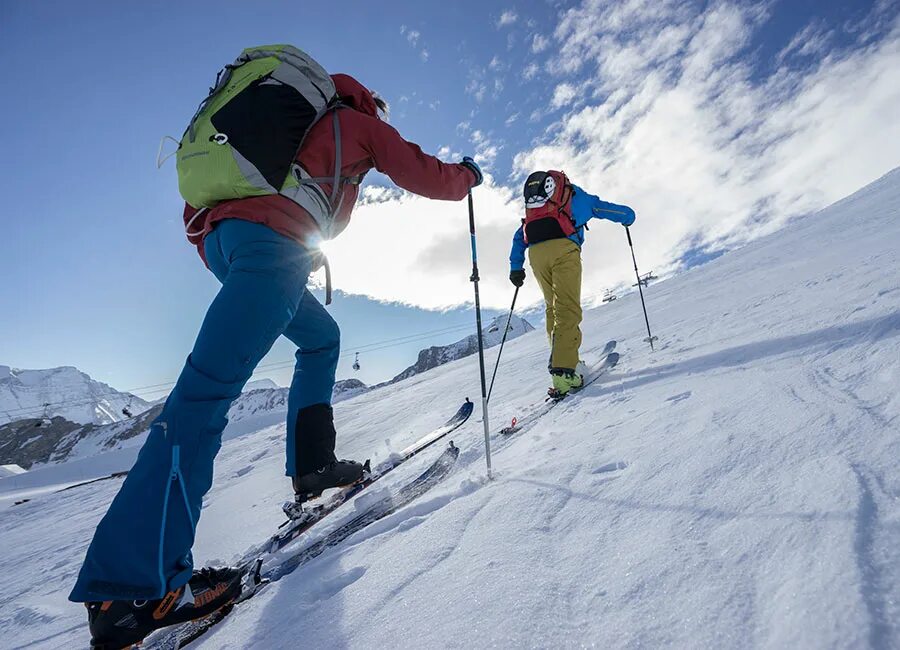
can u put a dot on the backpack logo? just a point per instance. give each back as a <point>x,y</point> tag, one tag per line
<point>539,187</point>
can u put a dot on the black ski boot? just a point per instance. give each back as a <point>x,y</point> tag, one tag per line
<point>117,624</point>
<point>335,474</point>
<point>317,467</point>
<point>339,473</point>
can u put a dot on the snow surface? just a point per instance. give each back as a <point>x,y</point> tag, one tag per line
<point>11,470</point>
<point>737,488</point>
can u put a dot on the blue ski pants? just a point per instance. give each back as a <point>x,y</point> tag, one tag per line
<point>142,546</point>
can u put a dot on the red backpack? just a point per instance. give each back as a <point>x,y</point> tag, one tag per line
<point>548,207</point>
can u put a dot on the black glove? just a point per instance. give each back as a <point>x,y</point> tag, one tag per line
<point>474,168</point>
<point>517,277</point>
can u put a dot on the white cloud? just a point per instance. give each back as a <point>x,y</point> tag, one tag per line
<point>430,256</point>
<point>706,152</point>
<point>508,17</point>
<point>563,94</point>
<point>511,119</point>
<point>486,149</point>
<point>539,43</point>
<point>496,64</point>
<point>811,41</point>
<point>373,194</point>
<point>672,119</point>
<point>477,88</point>
<point>531,71</point>
<point>413,37</point>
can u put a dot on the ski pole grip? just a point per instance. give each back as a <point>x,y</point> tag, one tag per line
<point>628,232</point>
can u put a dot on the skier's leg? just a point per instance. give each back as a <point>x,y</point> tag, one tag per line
<point>310,430</point>
<point>567,301</point>
<point>142,547</point>
<point>542,267</point>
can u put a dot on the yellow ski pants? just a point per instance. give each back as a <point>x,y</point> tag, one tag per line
<point>556,264</point>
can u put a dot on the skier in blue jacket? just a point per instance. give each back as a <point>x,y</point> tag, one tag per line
<point>556,216</point>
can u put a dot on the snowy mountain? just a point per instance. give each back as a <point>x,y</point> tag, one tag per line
<point>64,392</point>
<point>347,388</point>
<point>439,355</point>
<point>261,384</point>
<point>25,443</point>
<point>36,440</point>
<point>736,488</point>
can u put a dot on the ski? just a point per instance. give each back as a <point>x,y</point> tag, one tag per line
<point>256,578</point>
<point>311,515</point>
<point>610,359</point>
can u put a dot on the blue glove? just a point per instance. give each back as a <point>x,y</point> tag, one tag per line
<point>474,168</point>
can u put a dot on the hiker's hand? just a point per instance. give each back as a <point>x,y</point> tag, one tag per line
<point>474,168</point>
<point>517,277</point>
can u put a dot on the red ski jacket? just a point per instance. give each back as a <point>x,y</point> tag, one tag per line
<point>367,143</point>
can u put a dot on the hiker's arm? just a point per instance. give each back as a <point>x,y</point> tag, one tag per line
<point>413,169</point>
<point>517,254</point>
<point>595,208</point>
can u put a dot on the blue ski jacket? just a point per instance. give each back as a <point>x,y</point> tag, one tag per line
<point>584,208</point>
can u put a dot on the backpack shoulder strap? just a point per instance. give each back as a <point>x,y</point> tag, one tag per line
<point>336,180</point>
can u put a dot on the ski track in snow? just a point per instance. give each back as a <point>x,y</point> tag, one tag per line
<point>737,488</point>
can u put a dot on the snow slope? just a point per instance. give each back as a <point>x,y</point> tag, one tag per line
<point>738,488</point>
<point>10,470</point>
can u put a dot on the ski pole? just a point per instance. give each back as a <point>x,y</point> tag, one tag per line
<point>474,278</point>
<point>650,338</point>
<point>502,342</point>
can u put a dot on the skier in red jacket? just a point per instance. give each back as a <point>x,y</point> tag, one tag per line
<point>367,143</point>
<point>139,569</point>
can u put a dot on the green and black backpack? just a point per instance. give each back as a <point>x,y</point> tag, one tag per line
<point>245,136</point>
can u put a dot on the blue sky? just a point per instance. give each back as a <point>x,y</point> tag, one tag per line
<point>717,121</point>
